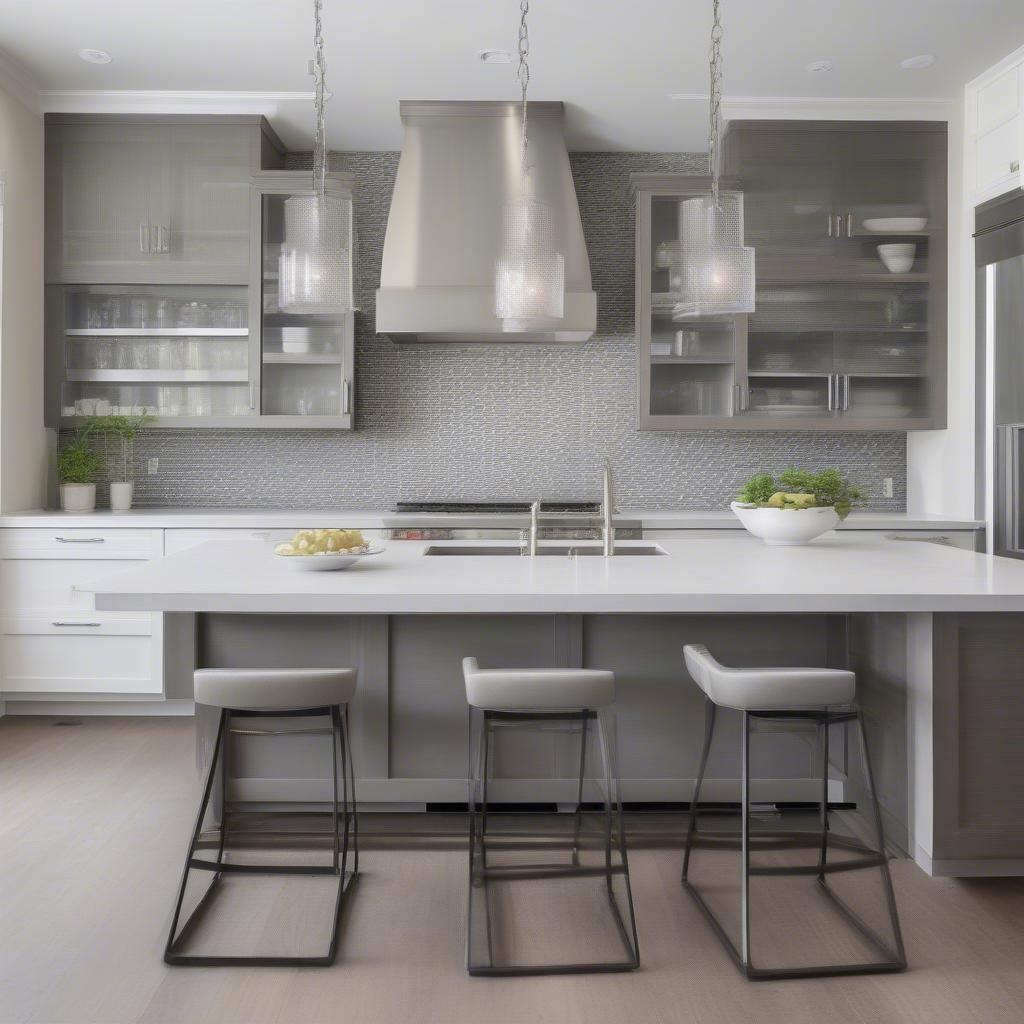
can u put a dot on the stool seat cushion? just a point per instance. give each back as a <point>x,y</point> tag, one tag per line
<point>769,689</point>
<point>274,689</point>
<point>537,689</point>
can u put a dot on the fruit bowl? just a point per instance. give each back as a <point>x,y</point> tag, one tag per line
<point>325,550</point>
<point>786,526</point>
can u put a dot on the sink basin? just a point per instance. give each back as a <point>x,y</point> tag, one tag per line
<point>563,550</point>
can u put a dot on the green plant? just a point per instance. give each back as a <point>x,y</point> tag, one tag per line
<point>829,488</point>
<point>124,429</point>
<point>78,462</point>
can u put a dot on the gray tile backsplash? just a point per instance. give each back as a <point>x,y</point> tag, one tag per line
<point>502,421</point>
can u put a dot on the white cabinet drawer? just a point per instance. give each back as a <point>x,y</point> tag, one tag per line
<point>81,544</point>
<point>182,540</point>
<point>95,624</point>
<point>52,584</point>
<point>42,663</point>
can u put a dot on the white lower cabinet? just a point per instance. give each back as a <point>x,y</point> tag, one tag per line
<point>54,641</point>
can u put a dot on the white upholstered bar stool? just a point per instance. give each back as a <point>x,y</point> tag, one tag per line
<point>569,700</point>
<point>242,695</point>
<point>824,697</point>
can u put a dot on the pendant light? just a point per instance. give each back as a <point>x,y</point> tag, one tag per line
<point>711,271</point>
<point>315,266</point>
<point>529,275</point>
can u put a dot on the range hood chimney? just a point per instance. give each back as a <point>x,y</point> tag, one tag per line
<point>459,165</point>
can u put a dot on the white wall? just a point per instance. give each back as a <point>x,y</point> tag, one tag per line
<point>941,463</point>
<point>23,451</point>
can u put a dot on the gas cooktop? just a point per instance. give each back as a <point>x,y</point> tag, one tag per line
<point>496,507</point>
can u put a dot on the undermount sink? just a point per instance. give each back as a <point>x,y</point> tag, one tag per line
<point>563,550</point>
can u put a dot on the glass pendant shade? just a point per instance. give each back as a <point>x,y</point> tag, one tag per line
<point>529,275</point>
<point>315,267</point>
<point>711,271</point>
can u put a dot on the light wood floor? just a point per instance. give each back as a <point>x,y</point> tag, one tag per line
<point>93,822</point>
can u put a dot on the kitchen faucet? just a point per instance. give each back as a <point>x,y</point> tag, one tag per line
<point>532,537</point>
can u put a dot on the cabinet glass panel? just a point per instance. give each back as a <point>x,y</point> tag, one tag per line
<point>154,202</point>
<point>303,356</point>
<point>692,360</point>
<point>164,351</point>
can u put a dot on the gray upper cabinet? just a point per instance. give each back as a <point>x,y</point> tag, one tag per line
<point>159,201</point>
<point>839,338</point>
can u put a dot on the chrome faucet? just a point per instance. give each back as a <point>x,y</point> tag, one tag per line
<point>608,512</point>
<point>534,535</point>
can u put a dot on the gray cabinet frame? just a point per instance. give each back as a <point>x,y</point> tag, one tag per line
<point>839,142</point>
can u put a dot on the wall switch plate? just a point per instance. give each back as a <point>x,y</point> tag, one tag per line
<point>152,465</point>
<point>886,485</point>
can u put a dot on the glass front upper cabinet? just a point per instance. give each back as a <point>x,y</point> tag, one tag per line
<point>690,368</point>
<point>305,361</point>
<point>149,200</point>
<point>848,224</point>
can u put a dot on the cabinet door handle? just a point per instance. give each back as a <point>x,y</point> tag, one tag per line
<point>143,237</point>
<point>81,540</point>
<point>252,394</point>
<point>346,397</point>
<point>93,625</point>
<point>846,393</point>
<point>831,382</point>
<point>849,225</point>
<point>830,225</point>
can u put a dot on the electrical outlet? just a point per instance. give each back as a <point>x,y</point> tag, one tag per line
<point>887,487</point>
<point>152,465</point>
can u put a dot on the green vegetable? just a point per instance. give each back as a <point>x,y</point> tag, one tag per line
<point>78,462</point>
<point>795,488</point>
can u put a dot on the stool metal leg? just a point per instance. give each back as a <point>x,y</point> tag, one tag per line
<point>691,829</point>
<point>482,724</point>
<point>894,955</point>
<point>219,867</point>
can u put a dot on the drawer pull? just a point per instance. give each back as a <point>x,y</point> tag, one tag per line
<point>95,625</point>
<point>81,540</point>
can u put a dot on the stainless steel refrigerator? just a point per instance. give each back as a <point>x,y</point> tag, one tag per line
<point>1000,310</point>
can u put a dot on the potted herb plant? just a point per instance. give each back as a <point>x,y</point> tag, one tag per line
<point>797,507</point>
<point>122,430</point>
<point>78,466</point>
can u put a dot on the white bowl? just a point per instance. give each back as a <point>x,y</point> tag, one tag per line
<point>327,562</point>
<point>895,225</point>
<point>898,257</point>
<point>786,526</point>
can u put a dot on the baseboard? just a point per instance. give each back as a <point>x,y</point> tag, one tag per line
<point>994,867</point>
<point>175,708</point>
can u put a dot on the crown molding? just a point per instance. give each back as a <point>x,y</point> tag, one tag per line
<point>158,101</point>
<point>828,108</point>
<point>17,82</point>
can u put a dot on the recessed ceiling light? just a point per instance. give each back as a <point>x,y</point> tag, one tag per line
<point>922,60</point>
<point>95,56</point>
<point>495,56</point>
<point>816,67</point>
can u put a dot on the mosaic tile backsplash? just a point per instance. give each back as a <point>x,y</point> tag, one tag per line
<point>501,421</point>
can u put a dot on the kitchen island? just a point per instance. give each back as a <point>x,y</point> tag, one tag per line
<point>934,633</point>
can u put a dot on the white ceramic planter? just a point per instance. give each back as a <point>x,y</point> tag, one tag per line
<point>786,526</point>
<point>78,497</point>
<point>121,492</point>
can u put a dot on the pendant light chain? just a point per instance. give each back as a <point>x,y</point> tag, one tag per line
<point>524,76</point>
<point>320,139</point>
<point>715,60</point>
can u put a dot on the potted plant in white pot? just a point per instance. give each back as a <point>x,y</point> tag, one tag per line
<point>122,430</point>
<point>78,466</point>
<point>797,507</point>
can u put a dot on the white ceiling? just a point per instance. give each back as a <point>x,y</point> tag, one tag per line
<point>615,63</point>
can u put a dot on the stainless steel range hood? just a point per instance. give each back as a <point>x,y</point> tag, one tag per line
<point>459,165</point>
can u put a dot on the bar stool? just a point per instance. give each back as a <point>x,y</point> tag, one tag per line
<point>824,697</point>
<point>270,693</point>
<point>575,701</point>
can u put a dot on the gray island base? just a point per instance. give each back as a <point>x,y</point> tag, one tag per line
<point>936,636</point>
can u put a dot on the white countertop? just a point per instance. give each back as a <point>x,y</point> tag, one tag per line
<point>377,519</point>
<point>840,573</point>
